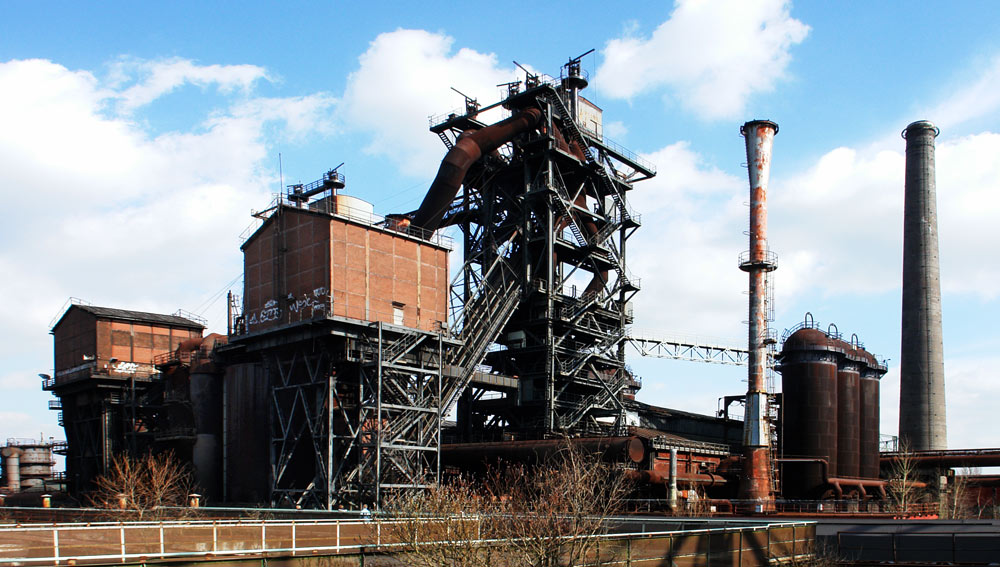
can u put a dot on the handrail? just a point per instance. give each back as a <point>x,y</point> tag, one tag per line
<point>110,542</point>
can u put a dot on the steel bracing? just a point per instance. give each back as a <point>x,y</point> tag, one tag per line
<point>103,416</point>
<point>355,414</point>
<point>543,295</point>
<point>692,351</point>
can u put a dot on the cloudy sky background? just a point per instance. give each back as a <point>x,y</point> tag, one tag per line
<point>135,140</point>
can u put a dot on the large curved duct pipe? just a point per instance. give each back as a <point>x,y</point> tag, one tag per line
<point>456,163</point>
<point>610,449</point>
<point>704,479</point>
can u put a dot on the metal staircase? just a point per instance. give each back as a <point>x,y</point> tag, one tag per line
<point>396,350</point>
<point>576,364</point>
<point>572,131</point>
<point>444,138</point>
<point>564,206</point>
<point>481,321</point>
<point>609,393</point>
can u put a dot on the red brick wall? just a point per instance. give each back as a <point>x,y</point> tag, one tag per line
<point>74,338</point>
<point>354,270</point>
<point>133,345</point>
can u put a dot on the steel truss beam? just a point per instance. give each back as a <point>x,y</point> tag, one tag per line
<point>354,417</point>
<point>553,217</point>
<point>688,350</point>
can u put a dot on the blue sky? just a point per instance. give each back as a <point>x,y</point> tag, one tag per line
<point>135,138</point>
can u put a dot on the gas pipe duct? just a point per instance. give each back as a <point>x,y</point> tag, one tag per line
<point>457,161</point>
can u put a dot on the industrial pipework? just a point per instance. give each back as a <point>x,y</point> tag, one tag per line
<point>921,391</point>
<point>457,161</point>
<point>758,262</point>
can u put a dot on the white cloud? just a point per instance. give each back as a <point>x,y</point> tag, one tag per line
<point>157,78</point>
<point>972,101</point>
<point>108,211</point>
<point>968,381</point>
<point>23,425</point>
<point>845,216</point>
<point>403,78</point>
<point>712,56</point>
<point>686,251</point>
<point>615,129</point>
<point>19,381</point>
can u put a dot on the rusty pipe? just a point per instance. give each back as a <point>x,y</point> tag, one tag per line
<point>611,449</point>
<point>662,478</point>
<point>946,459</point>
<point>456,163</point>
<point>837,482</point>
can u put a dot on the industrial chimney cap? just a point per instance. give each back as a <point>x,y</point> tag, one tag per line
<point>743,128</point>
<point>921,125</point>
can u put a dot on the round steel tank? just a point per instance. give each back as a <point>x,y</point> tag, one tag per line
<point>808,367</point>
<point>868,447</point>
<point>12,467</point>
<point>848,411</point>
<point>36,466</point>
<point>36,455</point>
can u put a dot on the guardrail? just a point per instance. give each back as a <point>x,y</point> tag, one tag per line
<point>964,548</point>
<point>740,543</point>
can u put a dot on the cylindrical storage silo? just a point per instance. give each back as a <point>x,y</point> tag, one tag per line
<point>871,373</point>
<point>848,410</point>
<point>808,369</point>
<point>355,208</point>
<point>36,466</point>
<point>12,468</point>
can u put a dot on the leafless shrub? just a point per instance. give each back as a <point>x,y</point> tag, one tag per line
<point>143,486</point>
<point>452,524</point>
<point>544,516</point>
<point>903,489</point>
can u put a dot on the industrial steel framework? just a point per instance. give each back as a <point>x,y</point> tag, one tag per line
<point>355,410</point>
<point>104,415</point>
<point>545,213</point>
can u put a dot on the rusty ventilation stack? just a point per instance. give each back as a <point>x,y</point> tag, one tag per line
<point>758,262</point>
<point>921,389</point>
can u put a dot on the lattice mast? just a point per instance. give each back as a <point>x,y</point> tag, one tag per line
<point>543,210</point>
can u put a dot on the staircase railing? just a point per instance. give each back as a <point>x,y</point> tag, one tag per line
<point>573,131</point>
<point>481,321</point>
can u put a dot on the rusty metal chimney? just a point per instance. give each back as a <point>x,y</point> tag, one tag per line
<point>921,383</point>
<point>758,262</point>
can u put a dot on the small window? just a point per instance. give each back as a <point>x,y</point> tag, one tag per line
<point>397,313</point>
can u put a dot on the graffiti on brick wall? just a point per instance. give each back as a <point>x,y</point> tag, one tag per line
<point>270,312</point>
<point>310,305</point>
<point>302,307</point>
<point>126,367</point>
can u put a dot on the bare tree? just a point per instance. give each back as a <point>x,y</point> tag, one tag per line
<point>958,502</point>
<point>144,485</point>
<point>553,514</point>
<point>903,488</point>
<point>450,524</point>
<point>543,516</point>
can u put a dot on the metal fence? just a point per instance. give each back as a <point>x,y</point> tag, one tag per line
<point>732,543</point>
<point>979,548</point>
